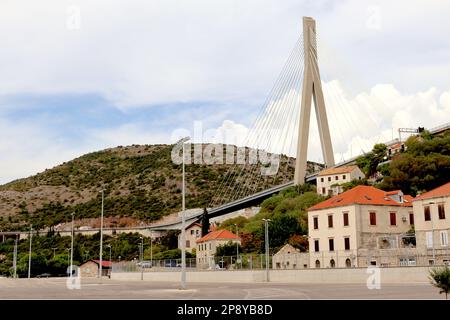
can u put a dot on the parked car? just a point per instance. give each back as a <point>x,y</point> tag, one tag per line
<point>43,275</point>
<point>145,264</point>
<point>172,264</point>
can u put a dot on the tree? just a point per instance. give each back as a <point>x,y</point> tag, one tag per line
<point>369,162</point>
<point>440,278</point>
<point>227,249</point>
<point>205,222</point>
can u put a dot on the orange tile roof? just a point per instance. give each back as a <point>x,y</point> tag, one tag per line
<point>330,171</point>
<point>361,195</point>
<point>218,235</point>
<point>441,191</point>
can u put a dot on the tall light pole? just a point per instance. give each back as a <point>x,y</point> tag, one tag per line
<point>141,257</point>
<point>183,221</point>
<point>237,245</point>
<point>101,236</point>
<point>151,249</point>
<point>29,253</point>
<point>54,252</point>
<point>266,240</point>
<point>15,258</point>
<point>71,248</point>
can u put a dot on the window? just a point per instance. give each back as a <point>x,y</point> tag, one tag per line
<point>373,218</point>
<point>210,246</point>
<point>332,263</point>
<point>343,176</point>
<point>188,244</point>
<point>429,237</point>
<point>330,221</point>
<point>441,211</point>
<point>345,219</point>
<point>347,243</point>
<point>192,231</point>
<point>426,212</point>
<point>411,218</point>
<point>331,244</point>
<point>393,218</point>
<point>329,179</point>
<point>317,264</point>
<point>321,179</point>
<point>316,245</point>
<point>444,238</point>
<point>336,178</point>
<point>323,190</point>
<point>316,222</point>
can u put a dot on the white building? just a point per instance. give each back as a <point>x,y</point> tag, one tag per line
<point>432,223</point>
<point>329,180</point>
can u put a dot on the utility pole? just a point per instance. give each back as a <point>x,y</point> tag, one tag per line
<point>237,245</point>
<point>101,236</point>
<point>151,249</point>
<point>266,238</point>
<point>15,258</point>
<point>29,253</point>
<point>183,221</point>
<point>141,257</point>
<point>71,249</point>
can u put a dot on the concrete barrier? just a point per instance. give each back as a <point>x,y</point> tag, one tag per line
<point>355,275</point>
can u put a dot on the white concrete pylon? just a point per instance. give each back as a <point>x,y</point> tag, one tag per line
<point>312,88</point>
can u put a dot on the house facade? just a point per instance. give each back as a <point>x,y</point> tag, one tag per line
<point>193,233</point>
<point>432,224</point>
<point>344,230</point>
<point>207,245</point>
<point>329,181</point>
<point>289,257</point>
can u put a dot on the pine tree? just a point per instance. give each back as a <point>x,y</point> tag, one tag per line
<point>205,222</point>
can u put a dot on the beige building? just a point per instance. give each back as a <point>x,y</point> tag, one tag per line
<point>193,233</point>
<point>90,268</point>
<point>432,223</point>
<point>329,181</point>
<point>207,245</point>
<point>289,257</point>
<point>362,218</point>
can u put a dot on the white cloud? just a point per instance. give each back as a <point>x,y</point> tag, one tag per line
<point>149,52</point>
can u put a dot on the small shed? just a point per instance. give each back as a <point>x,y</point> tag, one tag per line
<point>90,268</point>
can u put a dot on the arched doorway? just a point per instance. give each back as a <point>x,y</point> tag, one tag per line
<point>332,263</point>
<point>317,264</point>
<point>348,263</point>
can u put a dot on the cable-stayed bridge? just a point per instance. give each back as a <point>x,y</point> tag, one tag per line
<point>282,128</point>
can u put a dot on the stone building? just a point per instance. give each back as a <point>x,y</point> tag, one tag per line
<point>289,257</point>
<point>432,223</point>
<point>90,268</point>
<point>207,245</point>
<point>361,218</point>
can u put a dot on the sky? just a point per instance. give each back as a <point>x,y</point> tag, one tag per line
<point>81,76</point>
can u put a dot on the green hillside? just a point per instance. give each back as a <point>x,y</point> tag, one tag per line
<point>142,185</point>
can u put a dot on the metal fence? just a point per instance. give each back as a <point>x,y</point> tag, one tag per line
<point>404,257</point>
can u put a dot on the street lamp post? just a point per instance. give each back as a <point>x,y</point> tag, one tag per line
<point>54,252</point>
<point>71,249</point>
<point>266,240</point>
<point>101,236</point>
<point>183,221</point>
<point>15,258</point>
<point>141,257</point>
<point>29,253</point>
<point>151,249</point>
<point>237,246</point>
